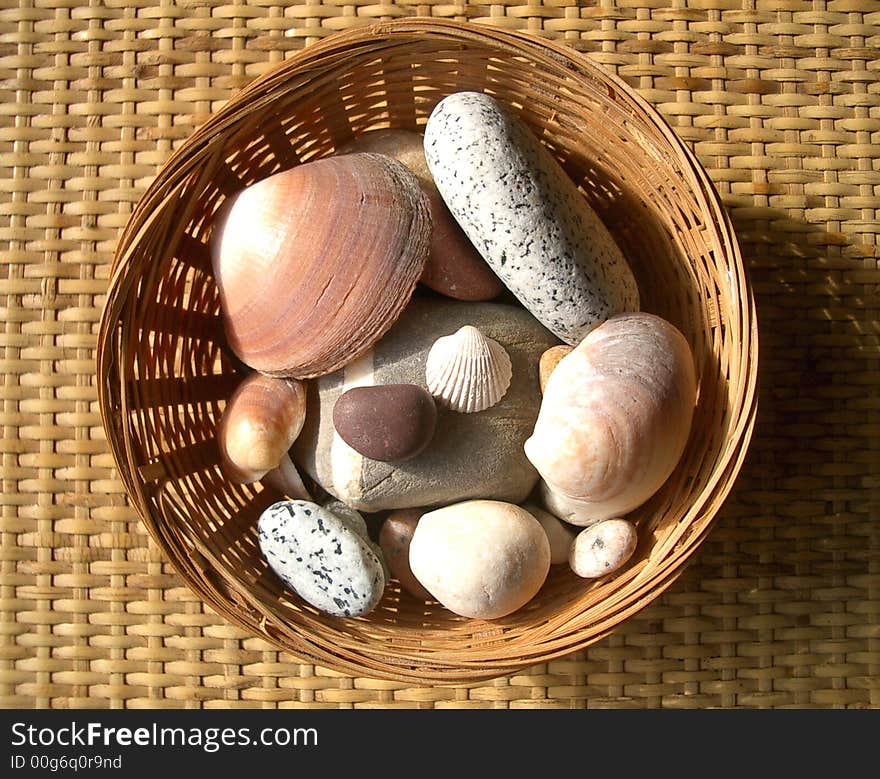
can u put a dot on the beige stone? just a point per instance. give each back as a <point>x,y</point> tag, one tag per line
<point>560,535</point>
<point>481,558</point>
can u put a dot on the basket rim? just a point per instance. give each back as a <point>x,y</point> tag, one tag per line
<point>197,151</point>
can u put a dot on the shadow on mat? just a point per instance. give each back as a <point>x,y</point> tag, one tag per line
<point>783,583</point>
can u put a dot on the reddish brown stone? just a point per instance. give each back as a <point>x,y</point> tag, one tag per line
<point>389,423</point>
<point>394,538</point>
<point>454,267</point>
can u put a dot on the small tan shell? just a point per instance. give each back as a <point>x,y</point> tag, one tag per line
<point>314,264</point>
<point>549,360</point>
<point>263,418</point>
<point>467,371</point>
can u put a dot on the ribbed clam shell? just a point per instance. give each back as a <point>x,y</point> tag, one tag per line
<point>467,371</point>
<point>315,263</point>
<point>263,418</point>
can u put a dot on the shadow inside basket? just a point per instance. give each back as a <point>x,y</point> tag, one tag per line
<point>183,371</point>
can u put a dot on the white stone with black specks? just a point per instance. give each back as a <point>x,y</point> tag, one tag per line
<point>526,216</point>
<point>321,558</point>
<point>603,548</point>
<point>356,522</point>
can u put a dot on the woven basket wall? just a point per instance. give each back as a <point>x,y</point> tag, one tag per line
<point>779,607</point>
<point>165,371</point>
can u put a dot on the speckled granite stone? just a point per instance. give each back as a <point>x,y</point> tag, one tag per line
<point>321,558</point>
<point>354,519</point>
<point>526,216</point>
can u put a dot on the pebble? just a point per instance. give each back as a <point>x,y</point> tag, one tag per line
<point>321,558</point>
<point>454,267</point>
<point>394,538</point>
<point>390,423</point>
<point>351,517</point>
<point>603,548</point>
<point>482,558</point>
<point>526,217</point>
<point>560,535</point>
<point>471,455</point>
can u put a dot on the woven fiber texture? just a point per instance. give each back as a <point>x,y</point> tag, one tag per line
<point>780,605</point>
<point>164,367</point>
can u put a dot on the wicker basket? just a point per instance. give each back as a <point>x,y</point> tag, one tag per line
<point>165,373</point>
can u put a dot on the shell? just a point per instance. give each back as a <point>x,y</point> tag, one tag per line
<point>315,263</point>
<point>549,360</point>
<point>261,421</point>
<point>467,371</point>
<point>614,419</point>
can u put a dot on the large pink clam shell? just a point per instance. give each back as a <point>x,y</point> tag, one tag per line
<point>315,263</point>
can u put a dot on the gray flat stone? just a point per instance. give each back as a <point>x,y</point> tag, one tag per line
<point>476,455</point>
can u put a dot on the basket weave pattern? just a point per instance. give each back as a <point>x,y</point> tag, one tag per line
<point>780,605</point>
<point>165,371</point>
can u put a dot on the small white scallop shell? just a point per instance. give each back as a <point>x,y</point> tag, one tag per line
<point>467,371</point>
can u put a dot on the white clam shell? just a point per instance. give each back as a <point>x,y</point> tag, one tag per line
<point>468,371</point>
<point>615,419</point>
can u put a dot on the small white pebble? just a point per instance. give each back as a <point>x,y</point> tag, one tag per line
<point>559,534</point>
<point>602,548</point>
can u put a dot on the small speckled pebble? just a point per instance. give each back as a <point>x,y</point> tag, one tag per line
<point>351,517</point>
<point>603,548</point>
<point>526,217</point>
<point>321,558</point>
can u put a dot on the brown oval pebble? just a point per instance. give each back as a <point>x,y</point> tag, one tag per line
<point>549,360</point>
<point>394,538</point>
<point>389,423</point>
<point>454,267</point>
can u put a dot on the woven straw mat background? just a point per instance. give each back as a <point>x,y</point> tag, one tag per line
<point>781,101</point>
